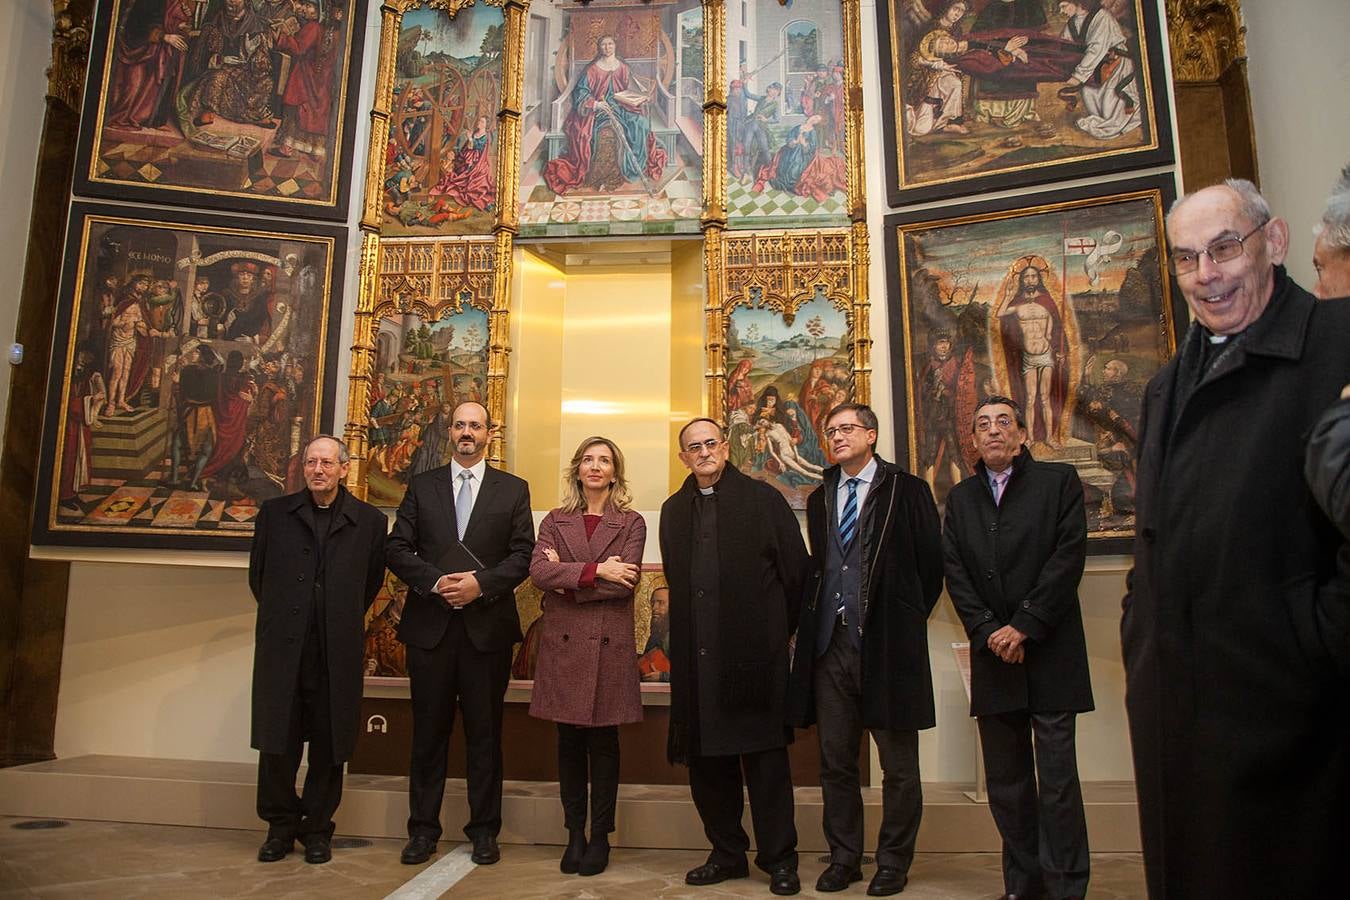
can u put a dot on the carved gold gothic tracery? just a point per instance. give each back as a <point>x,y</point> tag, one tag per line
<point>1206,37</point>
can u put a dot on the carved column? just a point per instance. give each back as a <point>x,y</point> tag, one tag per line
<point>33,592</point>
<point>1209,69</point>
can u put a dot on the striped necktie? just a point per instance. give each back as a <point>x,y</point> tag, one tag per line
<point>848,522</point>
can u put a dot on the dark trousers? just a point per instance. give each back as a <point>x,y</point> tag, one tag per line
<point>455,674</point>
<point>838,687</point>
<point>1036,802</point>
<point>310,814</point>
<point>588,754</point>
<point>717,786</point>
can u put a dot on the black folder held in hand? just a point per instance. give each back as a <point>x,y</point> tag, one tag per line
<point>459,558</point>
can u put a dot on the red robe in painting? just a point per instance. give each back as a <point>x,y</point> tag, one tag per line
<point>1011,336</point>
<point>569,170</point>
<point>85,392</point>
<point>237,392</point>
<point>145,72</point>
<point>310,86</point>
<point>469,181</point>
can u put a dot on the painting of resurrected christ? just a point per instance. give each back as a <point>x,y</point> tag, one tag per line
<point>612,136</point>
<point>1064,307</point>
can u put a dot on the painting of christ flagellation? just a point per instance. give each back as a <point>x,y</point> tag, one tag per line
<point>612,131</point>
<point>1064,307</point>
<point>191,367</point>
<point>987,94</point>
<point>423,370</point>
<point>234,104</point>
<point>440,172</point>
<point>786,162</point>
<point>785,375</point>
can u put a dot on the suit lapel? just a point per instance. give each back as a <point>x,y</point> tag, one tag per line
<point>486,493</point>
<point>572,530</point>
<point>445,496</point>
<point>606,533</point>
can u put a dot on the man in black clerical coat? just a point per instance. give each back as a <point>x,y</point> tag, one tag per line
<point>735,561</point>
<point>315,567</point>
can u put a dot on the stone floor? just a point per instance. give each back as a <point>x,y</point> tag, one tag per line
<point>100,859</point>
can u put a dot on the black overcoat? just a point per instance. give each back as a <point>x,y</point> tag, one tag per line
<point>1019,563</point>
<point>762,563</point>
<point>1236,627</point>
<point>501,535</point>
<point>284,575</point>
<point>901,582</point>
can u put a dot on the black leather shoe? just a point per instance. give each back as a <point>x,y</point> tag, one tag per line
<point>836,877</point>
<point>418,850</point>
<point>784,881</point>
<point>713,873</point>
<point>571,858</point>
<point>318,850</point>
<point>596,858</point>
<point>888,880</point>
<point>274,849</point>
<point>485,850</point>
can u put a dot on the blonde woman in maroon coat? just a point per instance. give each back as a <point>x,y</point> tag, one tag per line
<point>586,563</point>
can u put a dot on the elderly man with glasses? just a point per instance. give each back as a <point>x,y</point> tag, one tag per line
<point>1236,629</point>
<point>862,651</point>
<point>735,562</point>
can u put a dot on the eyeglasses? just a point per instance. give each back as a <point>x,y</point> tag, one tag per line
<point>710,445</point>
<point>984,423</point>
<point>845,430</point>
<point>1184,262</point>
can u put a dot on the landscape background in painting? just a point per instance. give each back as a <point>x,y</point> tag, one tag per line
<point>191,368</point>
<point>422,371</point>
<point>441,160</point>
<point>582,175</point>
<point>972,324</point>
<point>234,104</point>
<point>965,113</point>
<point>782,382</point>
<point>786,162</point>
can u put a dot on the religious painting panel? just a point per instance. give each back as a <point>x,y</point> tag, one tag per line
<point>440,175</point>
<point>194,359</point>
<point>786,138</point>
<point>241,105</point>
<point>424,368</point>
<point>1063,304</point>
<point>985,95</point>
<point>790,353</point>
<point>612,135</point>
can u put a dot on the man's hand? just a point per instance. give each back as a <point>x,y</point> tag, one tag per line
<point>1006,644</point>
<point>458,588</point>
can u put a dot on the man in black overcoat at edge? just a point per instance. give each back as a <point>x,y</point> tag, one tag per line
<point>862,650</point>
<point>1015,543</point>
<point>459,625</point>
<point>316,563</point>
<point>1236,627</point>
<point>735,561</point>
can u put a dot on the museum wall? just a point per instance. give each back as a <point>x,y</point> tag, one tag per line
<point>25,48</point>
<point>1299,67</point>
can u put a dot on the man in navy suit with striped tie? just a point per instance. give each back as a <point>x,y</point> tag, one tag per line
<point>861,659</point>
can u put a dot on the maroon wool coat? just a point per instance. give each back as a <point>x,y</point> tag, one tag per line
<point>587,672</point>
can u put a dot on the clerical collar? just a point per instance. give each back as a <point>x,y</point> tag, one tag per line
<point>708,491</point>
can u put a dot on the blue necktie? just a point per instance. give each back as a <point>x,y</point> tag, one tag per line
<point>848,522</point>
<point>464,502</point>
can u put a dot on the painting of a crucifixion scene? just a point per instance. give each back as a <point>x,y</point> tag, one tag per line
<point>423,370</point>
<point>612,134</point>
<point>784,376</point>
<point>441,160</point>
<point>1066,312</point>
<point>194,375</point>
<point>235,103</point>
<point>786,162</point>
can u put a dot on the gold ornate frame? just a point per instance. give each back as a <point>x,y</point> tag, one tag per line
<point>780,262</point>
<point>423,275</point>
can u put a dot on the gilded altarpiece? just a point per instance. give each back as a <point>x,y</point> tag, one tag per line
<point>788,342</point>
<point>431,316</point>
